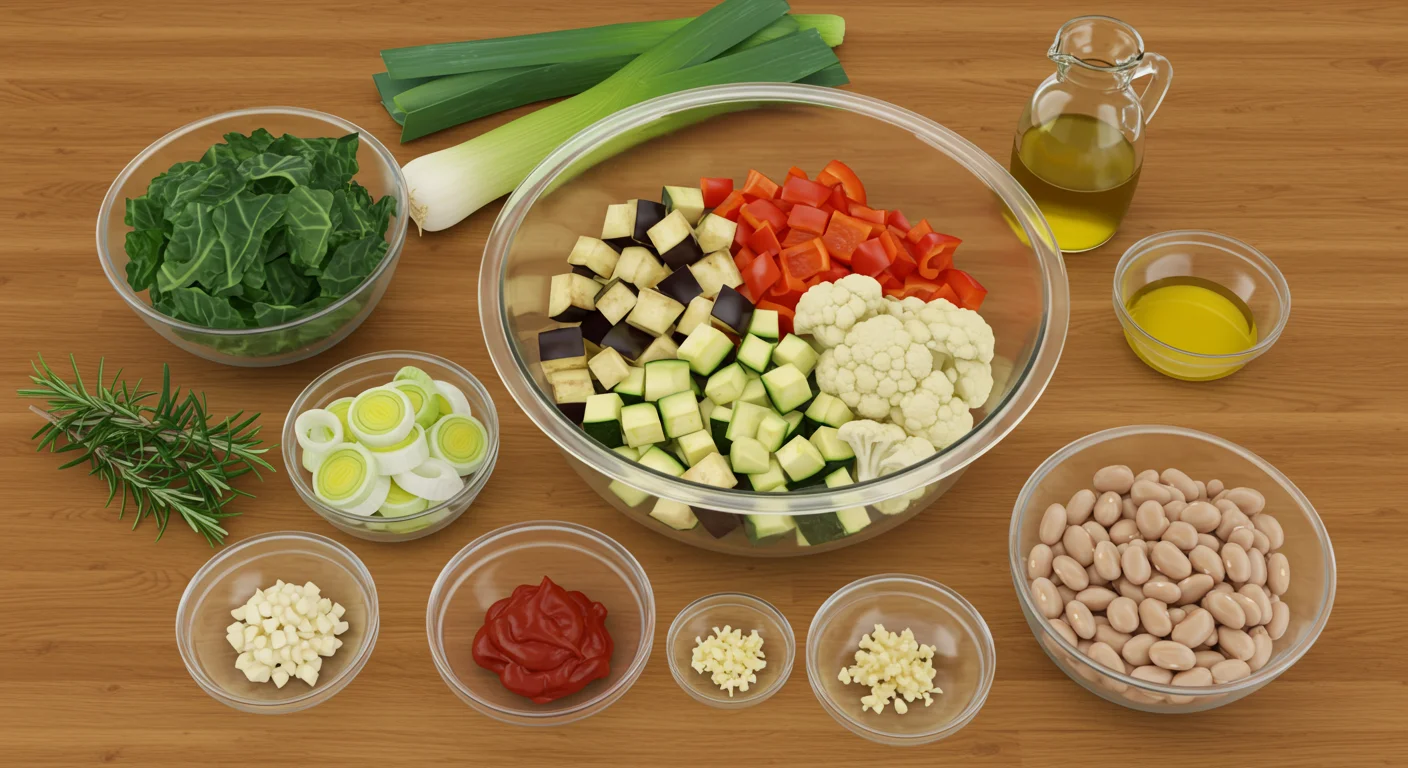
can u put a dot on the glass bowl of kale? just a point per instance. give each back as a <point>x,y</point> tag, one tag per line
<point>257,237</point>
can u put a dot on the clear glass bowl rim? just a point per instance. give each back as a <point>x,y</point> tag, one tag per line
<point>1258,678</point>
<point>586,708</point>
<point>1232,247</point>
<point>189,599</point>
<point>777,678</point>
<point>396,240</point>
<point>987,659</point>
<point>1031,381</point>
<point>470,490</point>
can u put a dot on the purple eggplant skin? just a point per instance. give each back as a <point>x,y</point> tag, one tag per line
<point>561,342</point>
<point>718,524</point>
<point>595,326</point>
<point>627,339</point>
<point>681,286</point>
<point>732,311</point>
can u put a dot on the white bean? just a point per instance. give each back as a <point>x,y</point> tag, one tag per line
<point>1107,508</point>
<point>1078,509</point>
<point>1053,524</point>
<point>1115,478</point>
<point>1039,562</point>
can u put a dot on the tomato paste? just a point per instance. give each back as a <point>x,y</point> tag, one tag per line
<point>544,642</point>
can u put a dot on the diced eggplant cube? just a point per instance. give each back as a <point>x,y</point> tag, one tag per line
<point>715,271</point>
<point>718,524</point>
<point>571,297</point>
<point>630,341</point>
<point>687,200</point>
<point>585,271</point>
<point>673,239</point>
<point>655,312</point>
<point>619,225</point>
<point>595,326</point>
<point>561,349</point>
<point>712,470</point>
<point>732,311</point>
<point>648,213</point>
<point>715,233</point>
<point>629,263</point>
<point>681,286</point>
<point>651,270</point>
<point>609,367</point>
<point>574,412</point>
<point>697,312</point>
<point>593,253</point>
<point>571,386</point>
<point>615,300</point>
<point>662,348</point>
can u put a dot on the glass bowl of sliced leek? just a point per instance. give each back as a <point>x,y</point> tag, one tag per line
<point>391,446</point>
<point>556,349</point>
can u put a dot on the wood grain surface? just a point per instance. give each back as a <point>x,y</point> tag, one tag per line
<point>1284,127</point>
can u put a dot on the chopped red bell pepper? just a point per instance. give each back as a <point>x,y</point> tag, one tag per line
<point>904,262</point>
<point>741,233</point>
<point>871,215</point>
<point>888,280</point>
<point>759,211</point>
<point>935,253</point>
<point>848,178</point>
<point>918,231</point>
<point>783,205</point>
<point>760,274</point>
<point>784,314</point>
<point>805,192</point>
<point>797,172</point>
<point>945,292</point>
<point>970,292</point>
<point>714,190</point>
<point>788,299</point>
<point>836,272</point>
<point>838,199</point>
<point>764,240</point>
<point>731,205</point>
<point>871,257</point>
<point>789,284</point>
<point>743,258</point>
<point>914,285</point>
<point>759,187</point>
<point>796,237</point>
<point>843,234</point>
<point>897,219</point>
<point>806,259</point>
<point>808,219</point>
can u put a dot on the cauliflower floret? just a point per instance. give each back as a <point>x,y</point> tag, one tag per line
<point>962,343</point>
<point>874,367</point>
<point>971,380</point>
<point>872,442</point>
<point>911,451</point>
<point>933,412</point>
<point>898,307</point>
<point>828,311</point>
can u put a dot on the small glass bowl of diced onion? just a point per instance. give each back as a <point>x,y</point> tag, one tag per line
<point>731,612</point>
<point>227,582</point>
<point>401,515</point>
<point>964,657</point>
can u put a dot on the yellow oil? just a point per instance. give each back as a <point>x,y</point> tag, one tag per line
<point>1194,315</point>
<point>1081,172</point>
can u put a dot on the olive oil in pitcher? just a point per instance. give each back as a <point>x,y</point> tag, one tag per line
<point>1080,144</point>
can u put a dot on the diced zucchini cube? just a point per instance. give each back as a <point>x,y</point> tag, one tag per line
<point>705,349</point>
<point>641,424</point>
<point>795,350</point>
<point>764,324</point>
<point>727,384</point>
<point>748,456</point>
<point>787,387</point>
<point>830,445</point>
<point>679,414</point>
<point>602,419</point>
<point>772,430</point>
<point>665,377</point>
<point>661,461</point>
<point>696,445</point>
<point>755,352</point>
<point>712,470</point>
<point>754,392</point>
<point>632,388</point>
<point>772,478</point>
<point>799,459</point>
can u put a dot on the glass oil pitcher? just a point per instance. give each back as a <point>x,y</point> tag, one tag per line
<point>1080,144</point>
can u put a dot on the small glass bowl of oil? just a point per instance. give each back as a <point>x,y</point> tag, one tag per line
<point>1198,306</point>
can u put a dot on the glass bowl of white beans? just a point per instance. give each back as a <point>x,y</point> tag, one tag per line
<point>1169,570</point>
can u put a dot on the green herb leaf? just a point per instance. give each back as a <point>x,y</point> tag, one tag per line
<point>196,306</point>
<point>195,251</point>
<point>351,264</point>
<point>244,147</point>
<point>144,213</point>
<point>242,223</point>
<point>143,257</point>
<point>309,219</point>
<point>295,170</point>
<point>284,283</point>
<point>274,314</point>
<point>254,276</point>
<point>163,188</point>
<point>275,243</point>
<point>207,186</point>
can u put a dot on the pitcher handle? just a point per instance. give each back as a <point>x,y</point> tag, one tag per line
<point>1160,74</point>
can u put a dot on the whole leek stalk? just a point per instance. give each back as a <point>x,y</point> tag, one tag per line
<point>448,185</point>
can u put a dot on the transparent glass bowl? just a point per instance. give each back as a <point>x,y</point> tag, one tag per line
<point>964,657</point>
<point>740,611</point>
<point>1312,589</point>
<point>577,559</point>
<point>351,379</point>
<point>1230,263</point>
<point>906,161</point>
<point>289,342</point>
<point>227,582</point>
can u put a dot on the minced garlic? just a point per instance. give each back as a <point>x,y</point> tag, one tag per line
<point>895,667</point>
<point>731,659</point>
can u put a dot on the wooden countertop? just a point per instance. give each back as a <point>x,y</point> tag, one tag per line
<point>1284,127</point>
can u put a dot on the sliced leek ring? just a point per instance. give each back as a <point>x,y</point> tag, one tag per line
<point>381,417</point>
<point>400,502</point>
<point>460,441</point>
<point>346,477</point>
<point>451,399</point>
<point>311,459</point>
<point>422,401</point>
<point>381,488</point>
<point>339,408</point>
<point>318,430</point>
<point>433,480</point>
<point>405,455</point>
<point>412,373</point>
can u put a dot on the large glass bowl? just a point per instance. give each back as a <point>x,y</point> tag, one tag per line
<point>288,342</point>
<point>906,161</point>
<point>1312,586</point>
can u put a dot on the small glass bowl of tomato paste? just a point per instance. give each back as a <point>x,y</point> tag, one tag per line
<point>742,612</point>
<point>574,557</point>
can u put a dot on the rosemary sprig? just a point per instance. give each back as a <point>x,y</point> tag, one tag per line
<point>167,457</point>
